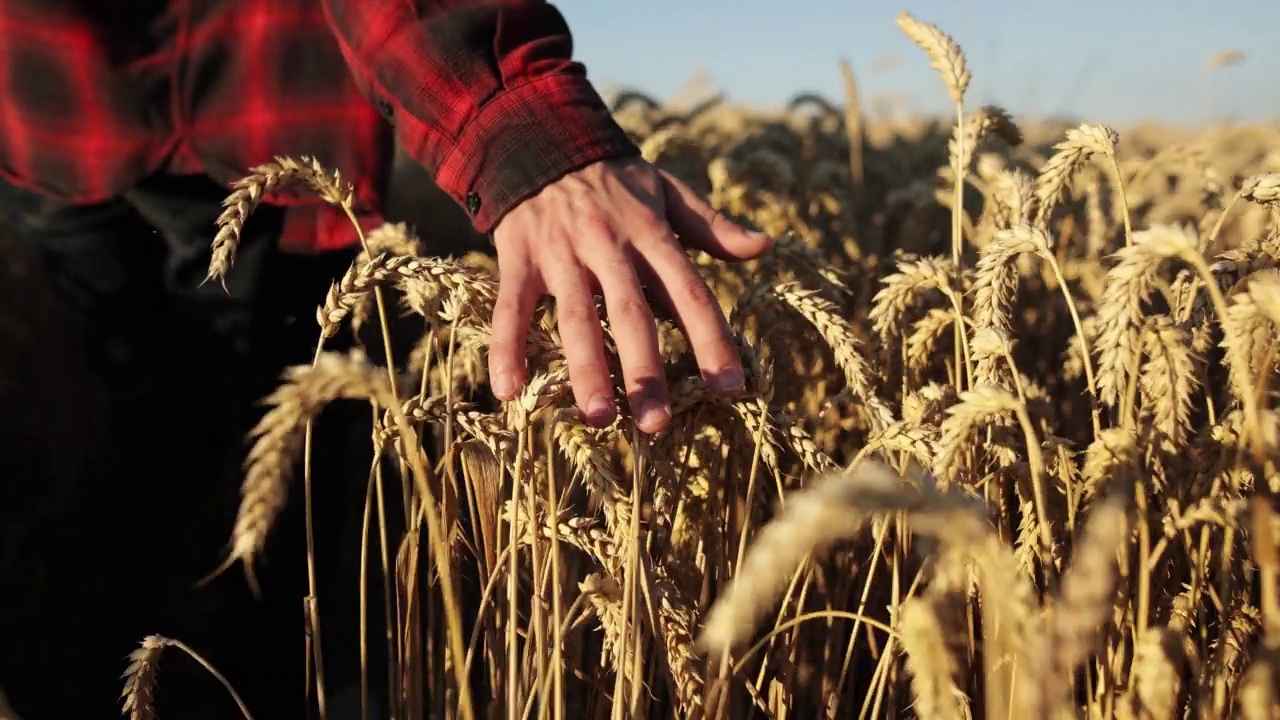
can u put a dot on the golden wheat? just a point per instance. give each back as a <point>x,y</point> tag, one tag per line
<point>1028,479</point>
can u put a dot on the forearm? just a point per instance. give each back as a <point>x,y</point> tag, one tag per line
<point>486,95</point>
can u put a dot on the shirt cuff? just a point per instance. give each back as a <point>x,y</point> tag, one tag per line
<point>523,139</point>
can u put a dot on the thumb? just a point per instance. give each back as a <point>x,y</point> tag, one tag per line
<point>703,227</point>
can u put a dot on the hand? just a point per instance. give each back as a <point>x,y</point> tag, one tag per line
<point>613,228</point>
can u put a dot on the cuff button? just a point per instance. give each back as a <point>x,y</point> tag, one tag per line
<point>473,203</point>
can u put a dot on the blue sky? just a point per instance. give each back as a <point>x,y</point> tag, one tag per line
<point>1113,62</point>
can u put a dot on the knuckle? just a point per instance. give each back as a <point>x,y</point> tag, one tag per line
<point>633,309</point>
<point>642,369</point>
<point>507,306</point>
<point>692,289</point>
<point>503,347</point>
<point>653,225</point>
<point>576,316</point>
<point>594,220</point>
<point>511,319</point>
<point>587,375</point>
<point>717,220</point>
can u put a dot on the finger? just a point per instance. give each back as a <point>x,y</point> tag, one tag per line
<point>703,227</point>
<point>583,340</point>
<point>636,336</point>
<point>518,291</point>
<point>697,312</point>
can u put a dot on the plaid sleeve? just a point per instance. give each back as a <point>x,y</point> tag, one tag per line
<point>484,94</point>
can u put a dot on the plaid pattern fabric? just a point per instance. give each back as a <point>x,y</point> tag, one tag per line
<point>485,94</point>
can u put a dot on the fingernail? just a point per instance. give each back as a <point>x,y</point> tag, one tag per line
<point>653,412</point>
<point>504,385</point>
<point>729,380</point>
<point>600,410</point>
<point>757,235</point>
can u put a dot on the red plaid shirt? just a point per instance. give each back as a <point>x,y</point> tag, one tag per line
<point>96,95</point>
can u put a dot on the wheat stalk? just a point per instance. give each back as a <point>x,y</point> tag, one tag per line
<point>144,665</point>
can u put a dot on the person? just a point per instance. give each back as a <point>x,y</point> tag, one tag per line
<point>122,129</point>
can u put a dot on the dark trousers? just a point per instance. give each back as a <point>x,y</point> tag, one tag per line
<point>113,509</point>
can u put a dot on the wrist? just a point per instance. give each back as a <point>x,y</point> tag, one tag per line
<point>523,139</point>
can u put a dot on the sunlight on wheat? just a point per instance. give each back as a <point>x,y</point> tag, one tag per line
<point>1007,446</point>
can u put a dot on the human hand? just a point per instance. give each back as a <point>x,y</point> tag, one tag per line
<point>611,228</point>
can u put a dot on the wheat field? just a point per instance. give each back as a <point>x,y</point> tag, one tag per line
<point>1007,447</point>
